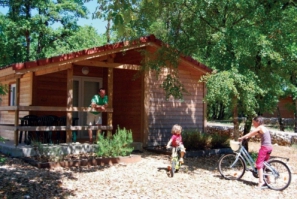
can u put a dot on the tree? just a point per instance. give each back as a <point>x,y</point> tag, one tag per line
<point>85,37</point>
<point>3,90</point>
<point>248,38</point>
<point>27,31</point>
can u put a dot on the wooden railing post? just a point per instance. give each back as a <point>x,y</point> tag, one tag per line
<point>69,103</point>
<point>16,115</point>
<point>110,97</point>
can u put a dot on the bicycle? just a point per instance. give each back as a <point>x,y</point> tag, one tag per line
<point>277,174</point>
<point>175,163</point>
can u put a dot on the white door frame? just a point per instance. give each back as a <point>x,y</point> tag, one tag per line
<point>81,93</point>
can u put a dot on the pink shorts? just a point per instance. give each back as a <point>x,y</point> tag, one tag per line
<point>263,155</point>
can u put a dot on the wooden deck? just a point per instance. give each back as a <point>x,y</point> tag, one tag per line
<point>16,127</point>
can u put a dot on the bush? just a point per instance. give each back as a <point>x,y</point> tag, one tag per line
<point>117,145</point>
<point>219,141</point>
<point>195,140</point>
<point>254,155</point>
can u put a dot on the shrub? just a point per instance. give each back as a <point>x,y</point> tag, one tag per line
<point>254,155</point>
<point>219,141</point>
<point>117,145</point>
<point>195,140</point>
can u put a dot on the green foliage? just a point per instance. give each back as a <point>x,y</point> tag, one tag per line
<point>254,155</point>
<point>117,145</point>
<point>3,90</point>
<point>195,140</point>
<point>2,139</point>
<point>219,141</point>
<point>2,159</point>
<point>26,34</point>
<point>253,41</point>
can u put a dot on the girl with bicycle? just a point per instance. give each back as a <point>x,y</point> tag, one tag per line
<point>266,146</point>
<point>176,141</point>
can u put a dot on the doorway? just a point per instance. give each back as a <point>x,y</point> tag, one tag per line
<point>84,88</point>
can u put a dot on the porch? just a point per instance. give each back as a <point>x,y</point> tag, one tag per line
<point>68,126</point>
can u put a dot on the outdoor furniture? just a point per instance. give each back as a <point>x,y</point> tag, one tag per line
<point>47,120</point>
<point>28,120</point>
<point>62,122</point>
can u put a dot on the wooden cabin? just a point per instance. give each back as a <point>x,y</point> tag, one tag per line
<point>286,108</point>
<point>64,85</point>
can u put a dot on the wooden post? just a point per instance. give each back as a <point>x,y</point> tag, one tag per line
<point>110,96</point>
<point>204,118</point>
<point>110,92</point>
<point>16,115</point>
<point>69,103</point>
<point>146,107</point>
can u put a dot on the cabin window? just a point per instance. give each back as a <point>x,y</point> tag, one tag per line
<point>12,95</point>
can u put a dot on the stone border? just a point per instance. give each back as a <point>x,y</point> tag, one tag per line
<point>281,138</point>
<point>84,162</point>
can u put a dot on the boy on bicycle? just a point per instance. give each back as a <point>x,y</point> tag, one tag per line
<point>176,141</point>
<point>266,146</point>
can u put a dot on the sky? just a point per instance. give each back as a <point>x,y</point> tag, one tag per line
<point>98,24</point>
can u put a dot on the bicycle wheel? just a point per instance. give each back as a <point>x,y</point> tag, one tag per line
<point>173,164</point>
<point>230,169</point>
<point>279,176</point>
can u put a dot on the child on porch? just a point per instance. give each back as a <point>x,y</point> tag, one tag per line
<point>176,141</point>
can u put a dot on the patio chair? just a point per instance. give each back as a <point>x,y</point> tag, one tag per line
<point>47,120</point>
<point>28,120</point>
<point>63,123</point>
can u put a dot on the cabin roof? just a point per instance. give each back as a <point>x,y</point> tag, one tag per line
<point>105,48</point>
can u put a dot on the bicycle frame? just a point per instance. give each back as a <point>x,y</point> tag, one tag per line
<point>175,164</point>
<point>248,160</point>
<point>276,173</point>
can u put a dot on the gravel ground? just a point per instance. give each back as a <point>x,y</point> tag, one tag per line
<point>198,178</point>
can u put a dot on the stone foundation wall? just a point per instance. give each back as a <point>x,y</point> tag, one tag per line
<point>278,137</point>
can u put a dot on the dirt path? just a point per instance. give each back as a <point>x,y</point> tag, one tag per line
<point>198,178</point>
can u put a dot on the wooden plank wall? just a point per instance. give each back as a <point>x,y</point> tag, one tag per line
<point>50,90</point>
<point>286,106</point>
<point>7,117</point>
<point>164,114</point>
<point>127,102</point>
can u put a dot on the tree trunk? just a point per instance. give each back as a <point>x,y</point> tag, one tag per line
<point>108,31</point>
<point>247,129</point>
<point>221,111</point>
<point>295,116</point>
<point>235,120</point>
<point>280,120</point>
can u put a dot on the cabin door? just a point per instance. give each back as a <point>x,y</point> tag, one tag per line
<point>84,88</point>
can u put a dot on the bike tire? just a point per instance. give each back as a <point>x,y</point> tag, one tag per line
<point>282,179</point>
<point>231,173</point>
<point>172,171</point>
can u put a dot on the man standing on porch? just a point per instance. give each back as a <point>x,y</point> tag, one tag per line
<point>99,103</point>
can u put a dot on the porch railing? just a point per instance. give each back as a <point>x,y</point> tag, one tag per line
<point>68,128</point>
